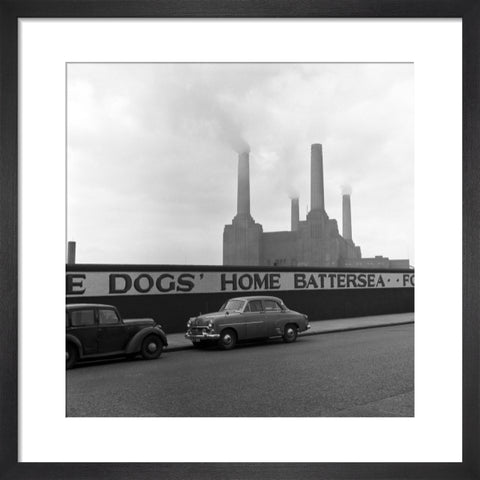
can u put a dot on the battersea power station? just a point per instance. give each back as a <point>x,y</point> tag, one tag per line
<point>314,242</point>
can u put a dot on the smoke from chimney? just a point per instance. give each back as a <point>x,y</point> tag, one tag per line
<point>211,113</point>
<point>237,142</point>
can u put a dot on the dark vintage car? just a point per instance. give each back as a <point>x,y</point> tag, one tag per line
<point>96,331</point>
<point>245,318</point>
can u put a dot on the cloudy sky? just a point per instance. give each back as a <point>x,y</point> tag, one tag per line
<point>152,162</point>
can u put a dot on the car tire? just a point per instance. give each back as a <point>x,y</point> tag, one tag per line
<point>290,333</point>
<point>152,347</point>
<point>228,339</point>
<point>71,355</point>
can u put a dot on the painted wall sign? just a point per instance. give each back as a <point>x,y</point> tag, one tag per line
<point>100,284</point>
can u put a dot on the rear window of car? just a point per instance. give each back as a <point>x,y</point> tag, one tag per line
<point>81,318</point>
<point>271,306</point>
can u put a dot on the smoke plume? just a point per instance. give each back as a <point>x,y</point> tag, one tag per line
<point>205,109</point>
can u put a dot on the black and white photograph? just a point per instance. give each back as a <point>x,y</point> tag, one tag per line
<point>240,240</point>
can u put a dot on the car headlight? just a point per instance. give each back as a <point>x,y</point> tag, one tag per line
<point>210,325</point>
<point>189,324</point>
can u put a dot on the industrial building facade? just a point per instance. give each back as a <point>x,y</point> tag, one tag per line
<point>314,242</point>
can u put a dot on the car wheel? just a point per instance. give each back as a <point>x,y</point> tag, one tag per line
<point>152,347</point>
<point>228,339</point>
<point>290,333</point>
<point>71,355</point>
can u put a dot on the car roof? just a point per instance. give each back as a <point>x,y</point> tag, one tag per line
<point>73,306</point>
<point>258,297</point>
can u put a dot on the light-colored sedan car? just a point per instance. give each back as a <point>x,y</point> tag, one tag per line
<point>245,318</point>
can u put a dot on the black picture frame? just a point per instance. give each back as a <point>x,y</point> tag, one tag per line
<point>10,11</point>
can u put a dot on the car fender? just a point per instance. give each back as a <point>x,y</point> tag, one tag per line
<point>299,320</point>
<point>136,341</point>
<point>290,319</point>
<point>72,339</point>
<point>225,326</point>
<point>239,332</point>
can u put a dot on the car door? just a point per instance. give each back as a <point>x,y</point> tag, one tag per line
<point>273,317</point>
<point>83,326</point>
<point>255,319</point>
<point>112,333</point>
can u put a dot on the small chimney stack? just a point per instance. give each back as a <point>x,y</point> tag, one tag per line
<point>316,190</point>
<point>347,217</point>
<point>243,192</point>
<point>71,250</point>
<point>295,214</point>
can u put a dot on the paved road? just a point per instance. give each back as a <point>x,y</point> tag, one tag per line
<point>358,373</point>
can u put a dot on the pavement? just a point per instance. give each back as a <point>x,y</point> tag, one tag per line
<point>177,341</point>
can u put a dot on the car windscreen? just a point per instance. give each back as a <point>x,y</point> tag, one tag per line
<point>233,305</point>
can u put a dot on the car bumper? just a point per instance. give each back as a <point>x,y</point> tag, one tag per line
<point>197,337</point>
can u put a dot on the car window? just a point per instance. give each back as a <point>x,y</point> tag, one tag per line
<point>82,318</point>
<point>107,317</point>
<point>256,305</point>
<point>271,306</point>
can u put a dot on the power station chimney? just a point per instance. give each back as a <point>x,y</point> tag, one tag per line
<point>295,214</point>
<point>316,174</point>
<point>243,193</point>
<point>347,217</point>
<point>71,253</point>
